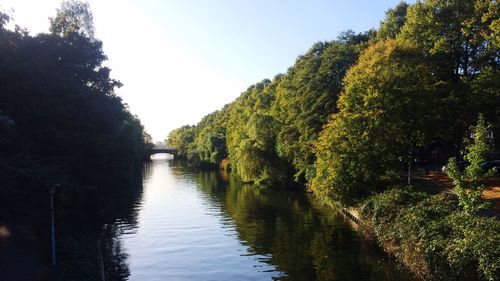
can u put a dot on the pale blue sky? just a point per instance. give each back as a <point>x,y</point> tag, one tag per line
<point>180,60</point>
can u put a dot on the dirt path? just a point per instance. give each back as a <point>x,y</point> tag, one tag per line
<point>435,182</point>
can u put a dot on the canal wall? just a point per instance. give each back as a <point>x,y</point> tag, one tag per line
<point>351,213</point>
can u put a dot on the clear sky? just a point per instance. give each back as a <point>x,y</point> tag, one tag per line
<point>180,60</point>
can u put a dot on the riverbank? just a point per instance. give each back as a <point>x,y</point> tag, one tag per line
<point>424,229</point>
<point>430,235</point>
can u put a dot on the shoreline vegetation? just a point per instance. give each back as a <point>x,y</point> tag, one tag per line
<point>355,119</point>
<point>62,128</point>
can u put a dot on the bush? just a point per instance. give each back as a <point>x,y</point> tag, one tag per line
<point>475,244</point>
<point>382,209</point>
<point>432,237</point>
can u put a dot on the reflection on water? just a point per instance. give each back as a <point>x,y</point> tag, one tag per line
<point>192,225</point>
<point>88,218</point>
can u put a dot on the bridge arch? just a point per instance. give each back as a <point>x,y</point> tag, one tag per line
<point>156,150</point>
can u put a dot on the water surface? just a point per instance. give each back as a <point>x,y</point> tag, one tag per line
<point>193,225</point>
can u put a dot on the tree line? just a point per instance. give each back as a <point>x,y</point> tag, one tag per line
<point>59,114</point>
<point>352,112</point>
<point>62,126</point>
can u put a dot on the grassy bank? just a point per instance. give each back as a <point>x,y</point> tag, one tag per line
<point>431,236</point>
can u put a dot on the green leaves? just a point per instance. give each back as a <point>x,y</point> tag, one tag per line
<point>210,137</point>
<point>74,17</point>
<point>182,139</point>
<point>307,95</point>
<point>432,237</point>
<point>61,98</point>
<point>251,136</point>
<point>469,185</point>
<point>394,20</point>
<point>386,107</point>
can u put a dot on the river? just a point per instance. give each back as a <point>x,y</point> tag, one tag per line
<point>193,225</point>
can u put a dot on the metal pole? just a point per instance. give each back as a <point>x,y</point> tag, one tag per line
<point>437,160</point>
<point>409,164</point>
<point>409,173</point>
<point>53,232</point>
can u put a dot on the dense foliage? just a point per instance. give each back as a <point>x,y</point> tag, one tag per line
<point>251,136</point>
<point>307,95</point>
<point>385,110</point>
<point>270,129</point>
<point>61,124</point>
<point>60,105</point>
<point>211,137</point>
<point>183,140</point>
<point>393,22</point>
<point>432,237</point>
<point>459,41</point>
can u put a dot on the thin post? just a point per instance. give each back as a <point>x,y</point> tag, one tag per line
<point>437,159</point>
<point>101,262</point>
<point>53,228</point>
<point>409,164</point>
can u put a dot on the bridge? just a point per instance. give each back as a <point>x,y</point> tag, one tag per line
<point>158,149</point>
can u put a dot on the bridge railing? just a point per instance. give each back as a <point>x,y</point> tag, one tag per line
<point>163,150</point>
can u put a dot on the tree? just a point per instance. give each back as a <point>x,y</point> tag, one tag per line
<point>182,139</point>
<point>251,136</point>
<point>306,96</point>
<point>74,17</point>
<point>211,137</point>
<point>469,185</point>
<point>62,99</point>
<point>4,19</point>
<point>394,20</point>
<point>459,36</point>
<point>386,108</point>
<point>459,41</point>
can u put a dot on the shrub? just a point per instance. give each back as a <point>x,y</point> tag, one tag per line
<point>382,209</point>
<point>432,237</point>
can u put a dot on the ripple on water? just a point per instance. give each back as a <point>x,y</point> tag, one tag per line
<point>191,226</point>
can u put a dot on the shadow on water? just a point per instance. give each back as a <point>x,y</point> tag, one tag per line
<point>285,235</point>
<point>303,239</point>
<point>85,226</point>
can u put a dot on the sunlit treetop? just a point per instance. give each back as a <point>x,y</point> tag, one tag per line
<point>73,17</point>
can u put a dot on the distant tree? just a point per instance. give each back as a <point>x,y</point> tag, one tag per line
<point>307,95</point>
<point>211,137</point>
<point>4,19</point>
<point>73,17</point>
<point>394,20</point>
<point>147,140</point>
<point>182,139</point>
<point>251,136</point>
